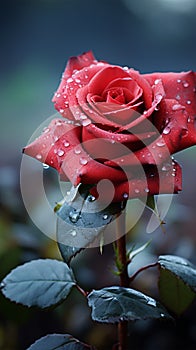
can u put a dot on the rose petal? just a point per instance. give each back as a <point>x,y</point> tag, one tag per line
<point>151,183</point>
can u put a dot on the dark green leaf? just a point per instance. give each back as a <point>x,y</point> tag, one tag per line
<point>177,283</point>
<point>40,283</point>
<point>59,342</point>
<point>81,219</point>
<point>68,252</point>
<point>115,304</point>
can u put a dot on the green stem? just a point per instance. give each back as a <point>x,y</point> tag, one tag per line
<point>121,261</point>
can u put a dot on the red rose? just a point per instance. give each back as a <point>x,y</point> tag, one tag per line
<point>124,126</point>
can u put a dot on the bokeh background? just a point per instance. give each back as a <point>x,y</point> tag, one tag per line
<point>37,37</point>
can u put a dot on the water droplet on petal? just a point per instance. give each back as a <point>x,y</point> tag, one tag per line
<point>160,142</point>
<point>178,97</point>
<point>178,81</point>
<point>60,152</point>
<point>166,167</point>
<point>157,81</point>
<point>38,156</point>
<point>147,190</point>
<point>66,144</point>
<point>136,190</point>
<point>184,132</point>
<point>177,107</point>
<point>61,111</point>
<point>189,119</point>
<point>145,112</point>
<point>125,195</point>
<point>77,80</point>
<point>166,130</point>
<point>83,161</point>
<point>125,68</point>
<point>162,315</point>
<point>188,102</point>
<point>86,122</point>
<point>77,151</point>
<point>69,80</point>
<point>185,84</point>
<point>105,216</point>
<point>45,130</point>
<point>56,138</point>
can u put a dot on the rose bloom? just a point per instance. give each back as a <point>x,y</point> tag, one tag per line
<point>119,125</point>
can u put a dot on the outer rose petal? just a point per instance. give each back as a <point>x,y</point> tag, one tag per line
<point>182,88</point>
<point>162,182</point>
<point>60,147</point>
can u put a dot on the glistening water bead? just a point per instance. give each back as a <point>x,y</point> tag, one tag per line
<point>74,217</point>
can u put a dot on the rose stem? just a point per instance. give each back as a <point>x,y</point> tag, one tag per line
<point>121,260</point>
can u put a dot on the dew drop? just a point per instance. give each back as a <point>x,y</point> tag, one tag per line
<point>45,130</point>
<point>151,302</point>
<point>77,151</point>
<point>166,130</point>
<point>158,97</point>
<point>74,217</point>
<point>105,216</point>
<point>145,112</point>
<point>73,233</point>
<point>61,111</point>
<point>45,166</point>
<point>184,132</point>
<point>188,102</point>
<point>83,161</point>
<point>86,122</point>
<point>60,152</point>
<point>162,315</point>
<point>56,138</point>
<point>2,285</point>
<point>77,80</point>
<point>136,190</point>
<point>38,156</point>
<point>160,142</point>
<point>178,81</point>
<point>173,174</point>
<point>189,119</point>
<point>185,84</point>
<point>58,95</point>
<point>66,144</point>
<point>176,107</point>
<point>166,167</point>
<point>91,198</point>
<point>147,190</point>
<point>157,81</point>
<point>125,195</point>
<point>178,97</point>
<point>69,80</point>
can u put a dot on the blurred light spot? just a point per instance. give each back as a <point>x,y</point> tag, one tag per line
<point>178,5</point>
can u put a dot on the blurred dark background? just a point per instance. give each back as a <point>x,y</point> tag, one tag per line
<point>37,37</point>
